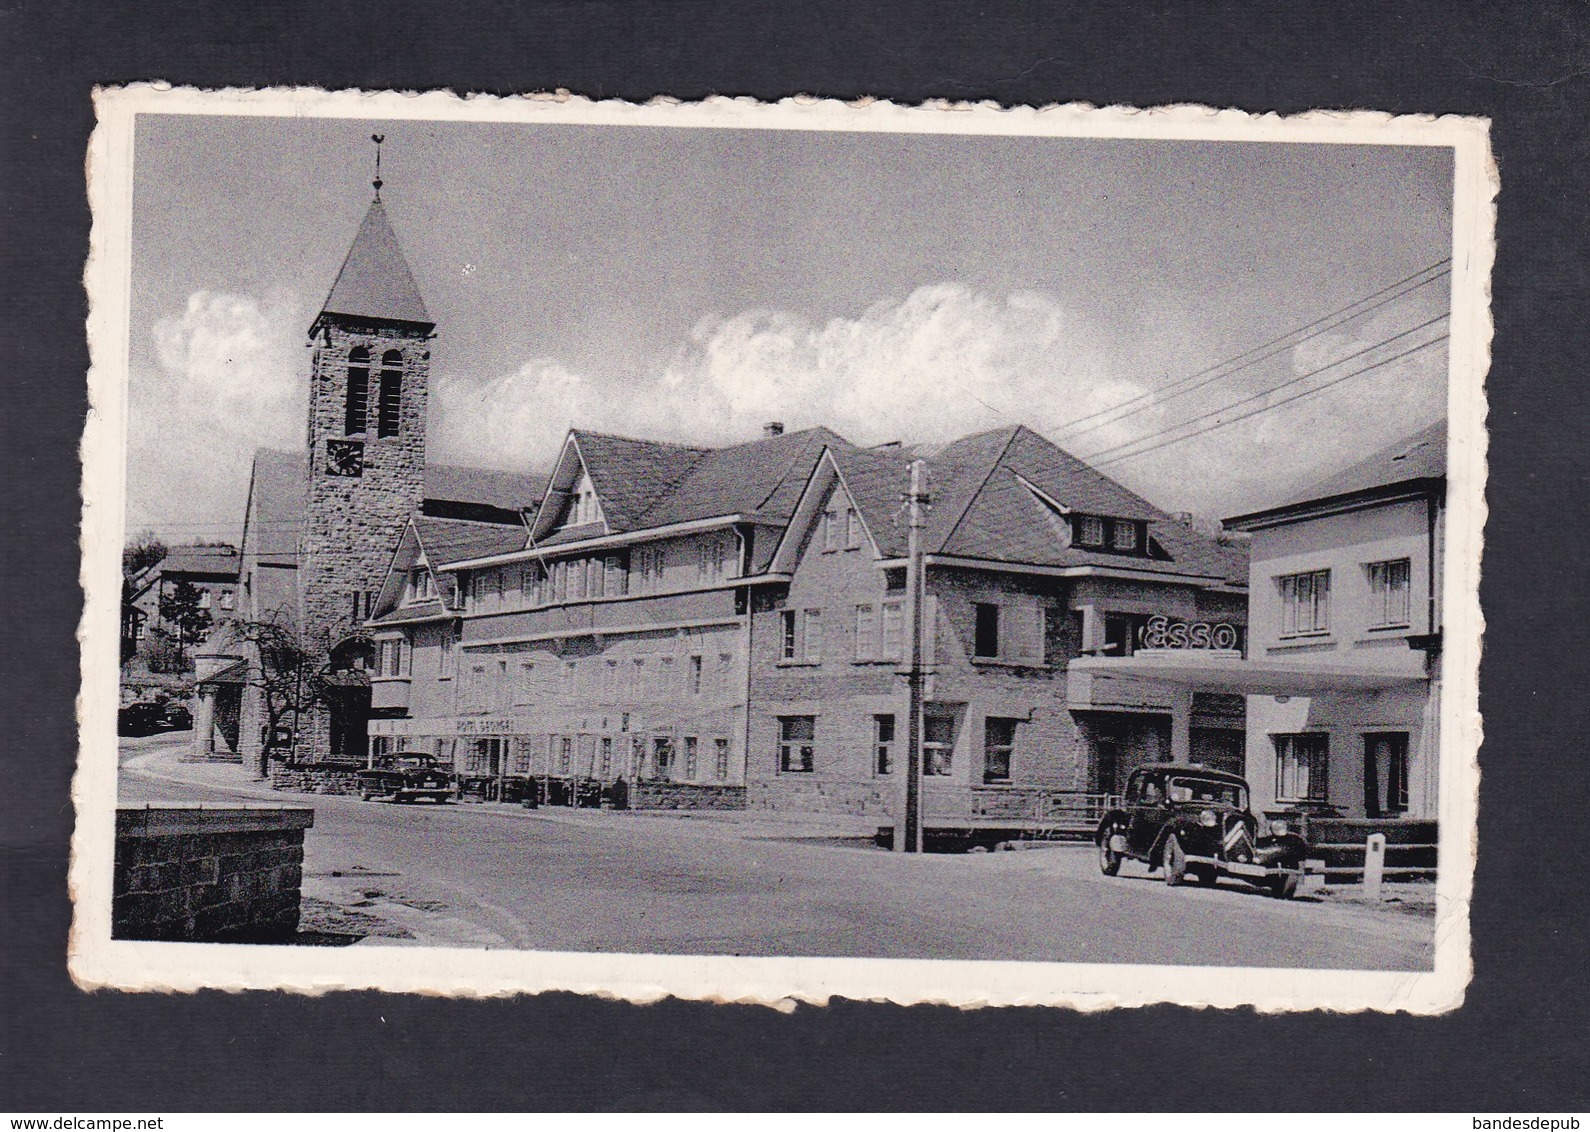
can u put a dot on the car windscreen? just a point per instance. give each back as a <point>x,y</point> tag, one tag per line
<point>1207,790</point>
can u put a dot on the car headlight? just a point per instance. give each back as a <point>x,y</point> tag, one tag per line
<point>1278,828</point>
<point>1208,818</point>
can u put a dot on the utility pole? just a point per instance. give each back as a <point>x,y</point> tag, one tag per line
<point>909,835</point>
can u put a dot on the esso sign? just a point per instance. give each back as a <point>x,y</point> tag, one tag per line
<point>1161,632</point>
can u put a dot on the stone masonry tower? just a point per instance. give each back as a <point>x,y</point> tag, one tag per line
<point>367,402</point>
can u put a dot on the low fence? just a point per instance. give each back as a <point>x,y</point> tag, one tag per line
<point>1035,811</point>
<point>1339,844</point>
<point>208,874</point>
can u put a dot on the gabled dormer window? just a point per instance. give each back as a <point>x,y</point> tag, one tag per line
<point>421,586</point>
<point>584,507</point>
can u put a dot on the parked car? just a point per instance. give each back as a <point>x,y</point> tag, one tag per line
<point>1191,821</point>
<point>176,716</point>
<point>140,719</point>
<point>406,777</point>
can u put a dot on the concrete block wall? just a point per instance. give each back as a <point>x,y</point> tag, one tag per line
<point>205,874</point>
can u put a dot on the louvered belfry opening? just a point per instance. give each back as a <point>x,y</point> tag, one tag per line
<point>358,402</point>
<point>389,406</point>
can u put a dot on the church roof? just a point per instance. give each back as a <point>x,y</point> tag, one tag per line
<point>375,281</point>
<point>508,491</point>
<point>275,515</point>
<point>279,486</point>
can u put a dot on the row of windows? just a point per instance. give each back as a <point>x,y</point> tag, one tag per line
<point>503,682</point>
<point>1306,598</point>
<point>615,574</point>
<point>878,633</point>
<point>606,757</point>
<point>797,745</point>
<point>224,599</point>
<point>389,393</point>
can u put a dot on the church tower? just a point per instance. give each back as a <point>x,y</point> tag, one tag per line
<point>368,376</point>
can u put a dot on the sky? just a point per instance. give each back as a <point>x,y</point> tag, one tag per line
<point>692,284</point>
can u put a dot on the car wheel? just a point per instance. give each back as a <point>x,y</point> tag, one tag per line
<point>1109,859</point>
<point>1285,886</point>
<point>368,795</point>
<point>1174,861</point>
<point>1203,874</point>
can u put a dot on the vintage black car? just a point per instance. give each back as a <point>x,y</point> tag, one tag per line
<point>406,778</point>
<point>1191,821</point>
<point>140,719</point>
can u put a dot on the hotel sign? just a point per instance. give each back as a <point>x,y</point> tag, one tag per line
<point>443,727</point>
<point>1161,632</point>
<point>485,726</point>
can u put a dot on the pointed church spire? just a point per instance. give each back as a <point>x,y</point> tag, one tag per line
<point>375,283</point>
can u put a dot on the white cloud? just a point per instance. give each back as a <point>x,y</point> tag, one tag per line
<point>944,362</point>
<point>228,380</point>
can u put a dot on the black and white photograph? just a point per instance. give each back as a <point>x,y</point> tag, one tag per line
<point>767,552</point>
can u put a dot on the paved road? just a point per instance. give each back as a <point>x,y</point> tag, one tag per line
<point>499,876</point>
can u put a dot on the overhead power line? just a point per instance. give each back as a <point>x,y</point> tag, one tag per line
<point>1263,393</point>
<point>1262,352</point>
<point>1268,408</point>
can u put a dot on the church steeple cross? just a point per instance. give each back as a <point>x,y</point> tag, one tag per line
<point>377,183</point>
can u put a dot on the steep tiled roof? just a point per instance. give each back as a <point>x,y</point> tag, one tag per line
<point>509,491</point>
<point>375,281</point>
<point>275,516</point>
<point>980,509</point>
<point>877,479</point>
<point>420,611</point>
<point>763,477</point>
<point>454,540</point>
<point>631,475</point>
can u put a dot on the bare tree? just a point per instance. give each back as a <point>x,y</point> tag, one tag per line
<point>288,674</point>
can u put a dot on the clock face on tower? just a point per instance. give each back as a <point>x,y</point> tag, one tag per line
<point>344,457</point>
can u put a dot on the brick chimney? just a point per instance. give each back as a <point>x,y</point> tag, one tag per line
<point>773,428</point>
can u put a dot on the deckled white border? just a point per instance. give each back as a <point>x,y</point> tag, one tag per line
<point>95,960</point>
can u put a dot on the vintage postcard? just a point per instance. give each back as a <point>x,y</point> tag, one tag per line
<point>939,554</point>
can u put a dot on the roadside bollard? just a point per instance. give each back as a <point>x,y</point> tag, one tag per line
<point>1374,865</point>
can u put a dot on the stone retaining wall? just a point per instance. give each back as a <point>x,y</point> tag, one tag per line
<point>315,779</point>
<point>208,874</point>
<point>793,794</point>
<point>685,796</point>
